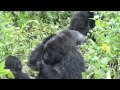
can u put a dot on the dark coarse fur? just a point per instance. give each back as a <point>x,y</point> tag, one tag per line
<point>81,21</point>
<point>61,59</point>
<point>37,54</point>
<point>15,66</point>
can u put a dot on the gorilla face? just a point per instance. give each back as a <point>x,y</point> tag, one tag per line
<point>59,46</point>
<point>15,66</point>
<point>54,52</point>
<point>13,63</point>
<point>53,56</point>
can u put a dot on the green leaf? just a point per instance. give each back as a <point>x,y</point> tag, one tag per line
<point>2,65</point>
<point>97,74</point>
<point>105,61</point>
<point>6,74</point>
<point>97,22</point>
<point>84,75</point>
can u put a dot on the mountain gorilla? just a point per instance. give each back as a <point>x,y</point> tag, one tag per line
<point>15,66</point>
<point>81,21</point>
<point>61,60</point>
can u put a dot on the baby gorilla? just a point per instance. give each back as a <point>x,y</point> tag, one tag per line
<point>81,21</point>
<point>15,66</point>
<point>61,59</point>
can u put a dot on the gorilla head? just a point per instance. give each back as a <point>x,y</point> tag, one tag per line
<point>15,66</point>
<point>39,53</point>
<point>61,44</point>
<point>13,63</point>
<point>82,22</point>
<point>60,60</point>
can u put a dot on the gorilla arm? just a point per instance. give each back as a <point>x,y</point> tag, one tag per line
<point>49,72</point>
<point>70,67</point>
<point>35,57</point>
<point>37,54</point>
<point>77,37</point>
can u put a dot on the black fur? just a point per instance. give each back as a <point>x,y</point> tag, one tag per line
<point>37,54</point>
<point>61,59</point>
<point>81,21</point>
<point>15,66</point>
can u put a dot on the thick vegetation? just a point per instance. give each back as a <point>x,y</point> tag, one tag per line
<point>21,31</point>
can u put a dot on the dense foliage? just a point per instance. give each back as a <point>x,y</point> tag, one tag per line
<point>21,31</point>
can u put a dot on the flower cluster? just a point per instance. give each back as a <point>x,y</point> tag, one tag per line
<point>105,48</point>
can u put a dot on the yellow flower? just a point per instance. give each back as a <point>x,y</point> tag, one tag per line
<point>105,47</point>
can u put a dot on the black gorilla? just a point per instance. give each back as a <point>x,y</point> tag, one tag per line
<point>15,66</point>
<point>61,60</point>
<point>81,21</point>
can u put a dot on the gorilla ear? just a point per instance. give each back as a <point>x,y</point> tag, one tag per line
<point>92,23</point>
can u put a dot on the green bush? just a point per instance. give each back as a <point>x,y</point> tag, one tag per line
<point>21,31</point>
<point>103,57</point>
<point>4,73</point>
